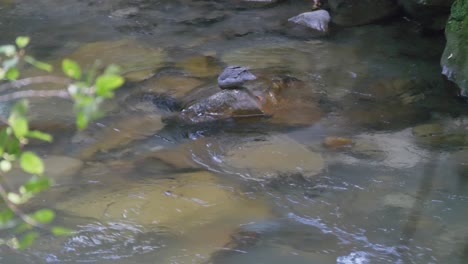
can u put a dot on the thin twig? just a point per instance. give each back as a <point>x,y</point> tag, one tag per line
<point>27,219</point>
<point>35,80</point>
<point>34,93</point>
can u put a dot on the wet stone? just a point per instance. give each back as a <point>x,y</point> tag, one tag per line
<point>337,142</point>
<point>428,130</point>
<point>234,77</point>
<point>399,200</point>
<point>223,105</point>
<point>274,157</point>
<point>310,23</point>
<point>181,203</point>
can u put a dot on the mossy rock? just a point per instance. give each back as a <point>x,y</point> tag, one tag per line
<point>455,57</point>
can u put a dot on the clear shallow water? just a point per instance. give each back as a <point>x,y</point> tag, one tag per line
<point>147,192</point>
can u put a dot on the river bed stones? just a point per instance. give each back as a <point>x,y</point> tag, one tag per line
<point>273,157</point>
<point>116,134</point>
<point>176,86</point>
<point>180,203</point>
<point>59,168</point>
<point>200,66</point>
<point>442,134</point>
<point>137,61</point>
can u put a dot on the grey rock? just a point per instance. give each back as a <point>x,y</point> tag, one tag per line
<point>234,77</point>
<point>316,21</point>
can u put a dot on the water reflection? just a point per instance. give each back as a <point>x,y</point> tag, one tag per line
<point>152,189</point>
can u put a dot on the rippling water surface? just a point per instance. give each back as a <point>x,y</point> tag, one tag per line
<point>363,161</point>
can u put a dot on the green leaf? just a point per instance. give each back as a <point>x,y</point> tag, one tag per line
<point>19,125</point>
<point>22,227</point>
<point>27,240</point>
<point>8,50</point>
<point>35,185</point>
<point>12,74</point>
<point>5,217</point>
<point>22,42</point>
<point>4,139</point>
<point>107,83</point>
<point>38,64</point>
<point>39,135</point>
<point>71,69</point>
<point>43,216</point>
<point>61,231</point>
<point>82,120</point>
<point>15,198</point>
<point>12,147</point>
<point>5,165</point>
<point>17,119</point>
<point>31,163</point>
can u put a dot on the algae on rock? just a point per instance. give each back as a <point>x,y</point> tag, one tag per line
<point>455,57</point>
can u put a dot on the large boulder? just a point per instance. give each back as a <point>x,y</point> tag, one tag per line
<point>359,12</point>
<point>455,57</point>
<point>179,203</point>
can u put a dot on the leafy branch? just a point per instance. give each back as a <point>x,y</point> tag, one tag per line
<point>86,91</point>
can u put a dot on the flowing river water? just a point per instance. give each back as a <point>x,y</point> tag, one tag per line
<point>366,163</point>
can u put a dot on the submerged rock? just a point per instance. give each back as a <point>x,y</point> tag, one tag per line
<point>360,12</point>
<point>276,156</point>
<point>442,134</point>
<point>116,134</point>
<point>455,57</point>
<point>310,23</point>
<point>399,200</point>
<point>176,86</point>
<point>59,168</point>
<point>137,61</point>
<point>200,66</point>
<point>182,203</point>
